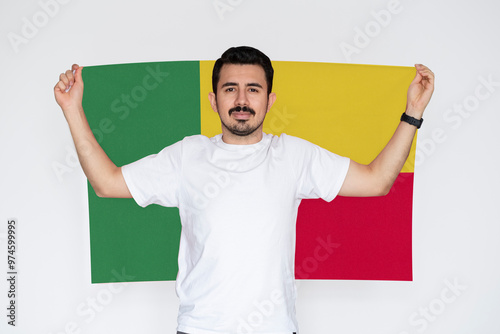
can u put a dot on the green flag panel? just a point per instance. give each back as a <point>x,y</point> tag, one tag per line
<point>127,106</point>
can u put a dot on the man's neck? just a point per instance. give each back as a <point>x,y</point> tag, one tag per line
<point>231,138</point>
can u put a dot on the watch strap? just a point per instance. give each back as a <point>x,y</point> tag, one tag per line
<point>412,120</point>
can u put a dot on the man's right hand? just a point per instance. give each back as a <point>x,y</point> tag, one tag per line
<point>104,176</point>
<point>69,90</point>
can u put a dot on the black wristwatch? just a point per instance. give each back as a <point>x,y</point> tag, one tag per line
<point>412,120</point>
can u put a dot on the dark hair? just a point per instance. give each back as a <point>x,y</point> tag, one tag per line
<point>243,55</point>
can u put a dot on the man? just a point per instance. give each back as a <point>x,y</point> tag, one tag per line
<point>236,256</point>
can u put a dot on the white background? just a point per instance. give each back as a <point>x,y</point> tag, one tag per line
<point>456,219</point>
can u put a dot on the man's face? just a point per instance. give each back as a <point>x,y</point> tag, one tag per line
<point>241,101</point>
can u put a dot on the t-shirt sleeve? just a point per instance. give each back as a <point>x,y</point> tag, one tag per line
<point>320,172</point>
<point>155,179</point>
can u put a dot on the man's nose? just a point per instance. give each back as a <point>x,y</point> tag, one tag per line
<point>242,99</point>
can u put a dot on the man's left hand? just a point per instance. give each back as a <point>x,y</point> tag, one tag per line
<point>420,91</point>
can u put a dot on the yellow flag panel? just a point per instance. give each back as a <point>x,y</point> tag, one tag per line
<point>351,110</point>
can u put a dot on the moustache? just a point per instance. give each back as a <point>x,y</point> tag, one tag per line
<point>244,108</point>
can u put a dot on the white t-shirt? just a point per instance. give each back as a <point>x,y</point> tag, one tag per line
<point>238,207</point>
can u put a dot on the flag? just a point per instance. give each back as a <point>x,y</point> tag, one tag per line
<point>137,109</point>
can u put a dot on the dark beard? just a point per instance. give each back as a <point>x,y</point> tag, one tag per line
<point>241,129</point>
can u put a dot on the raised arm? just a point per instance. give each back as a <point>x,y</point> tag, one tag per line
<point>104,176</point>
<point>377,178</point>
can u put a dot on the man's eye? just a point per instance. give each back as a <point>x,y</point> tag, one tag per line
<point>230,89</point>
<point>254,90</point>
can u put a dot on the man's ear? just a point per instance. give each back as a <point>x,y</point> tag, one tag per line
<point>213,101</point>
<point>270,101</point>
